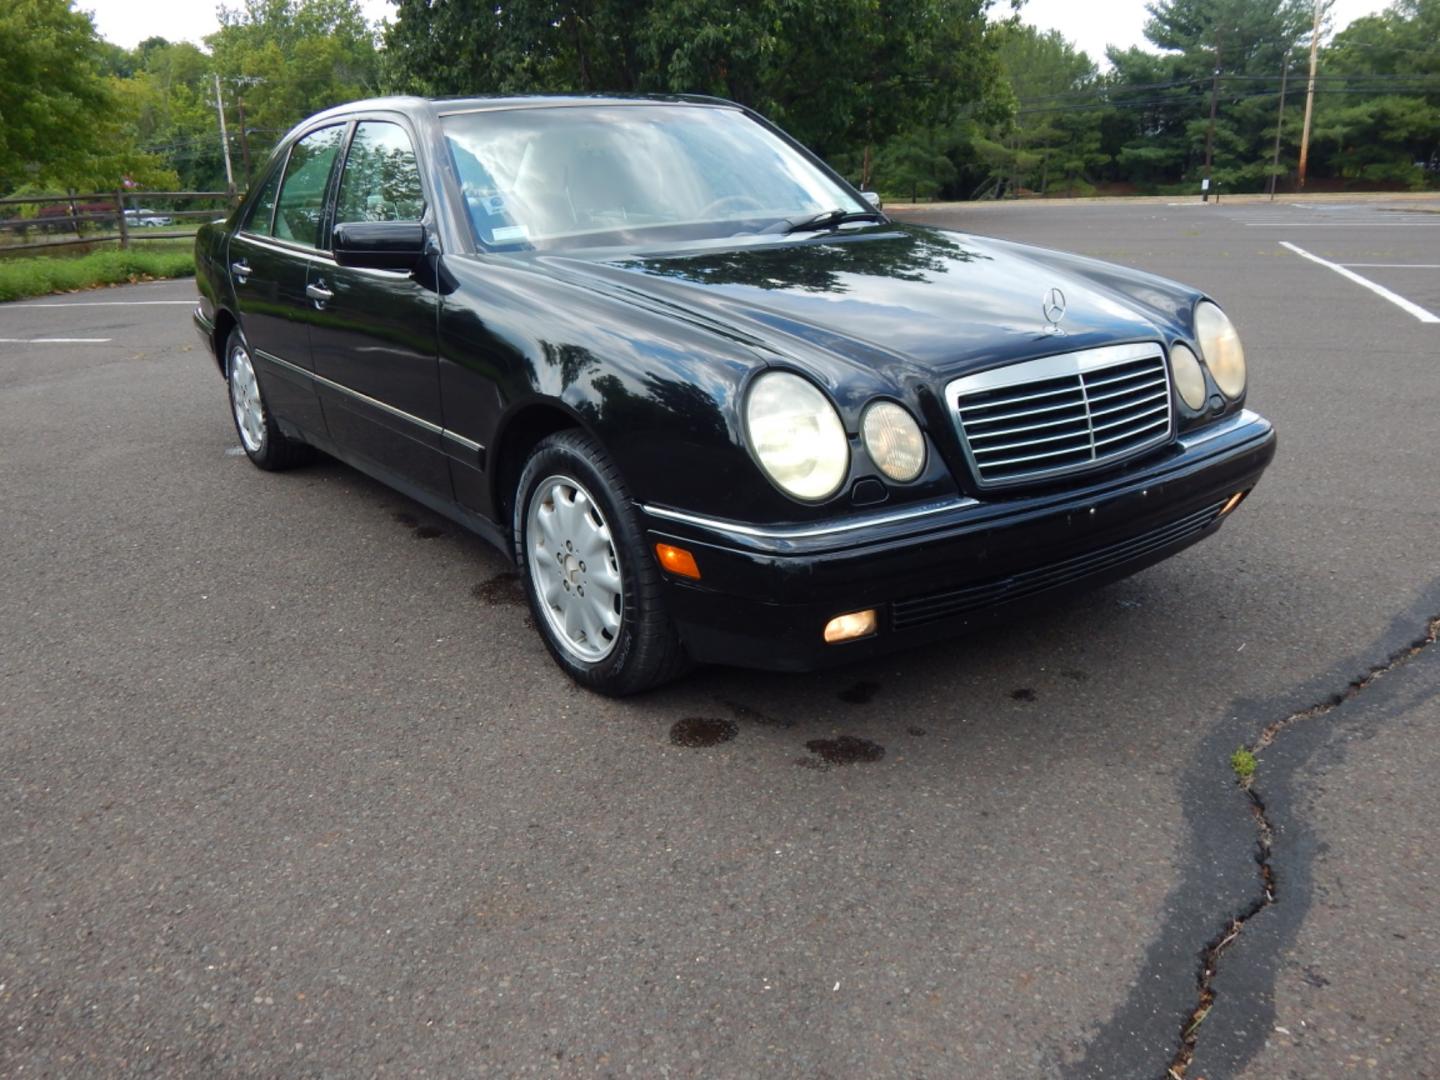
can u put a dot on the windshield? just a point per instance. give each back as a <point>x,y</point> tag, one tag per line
<point>568,176</point>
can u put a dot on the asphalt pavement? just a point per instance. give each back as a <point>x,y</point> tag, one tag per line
<point>289,786</point>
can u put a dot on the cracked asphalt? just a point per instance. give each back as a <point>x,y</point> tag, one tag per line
<point>288,787</point>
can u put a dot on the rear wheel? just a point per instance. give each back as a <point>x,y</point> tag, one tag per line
<point>595,592</point>
<point>260,437</point>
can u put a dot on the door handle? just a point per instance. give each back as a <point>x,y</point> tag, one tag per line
<point>319,293</point>
<point>241,269</point>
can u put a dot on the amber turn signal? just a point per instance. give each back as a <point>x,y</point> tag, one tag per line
<point>677,561</point>
<point>1233,502</point>
<point>857,624</point>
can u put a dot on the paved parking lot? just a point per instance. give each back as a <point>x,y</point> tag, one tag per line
<point>289,787</point>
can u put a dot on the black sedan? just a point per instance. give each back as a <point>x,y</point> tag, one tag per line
<point>716,405</point>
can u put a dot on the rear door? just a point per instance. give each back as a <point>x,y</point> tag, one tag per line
<point>270,258</point>
<point>375,342</point>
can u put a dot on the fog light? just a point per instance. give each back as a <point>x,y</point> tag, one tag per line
<point>677,561</point>
<point>857,624</point>
<point>1231,503</point>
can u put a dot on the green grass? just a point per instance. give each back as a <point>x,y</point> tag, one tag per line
<point>1244,763</point>
<point>43,274</point>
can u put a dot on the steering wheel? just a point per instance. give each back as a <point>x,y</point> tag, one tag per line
<point>738,201</point>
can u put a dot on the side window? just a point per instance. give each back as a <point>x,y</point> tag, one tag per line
<point>263,209</point>
<point>381,180</point>
<point>302,194</point>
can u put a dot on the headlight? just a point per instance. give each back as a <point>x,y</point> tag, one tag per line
<point>1189,378</point>
<point>894,441</point>
<point>1220,345</point>
<point>797,435</point>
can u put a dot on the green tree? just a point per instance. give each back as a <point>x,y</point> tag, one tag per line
<point>845,76</point>
<point>915,163</point>
<point>1050,133</point>
<point>441,47</point>
<point>280,61</point>
<point>175,111</point>
<point>1385,125</point>
<point>1164,100</point>
<point>63,122</point>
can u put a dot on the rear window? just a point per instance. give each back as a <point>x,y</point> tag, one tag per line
<point>262,210</point>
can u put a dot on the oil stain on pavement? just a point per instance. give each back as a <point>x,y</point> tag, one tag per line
<point>422,532</point>
<point>842,750</point>
<point>502,589</point>
<point>702,731</point>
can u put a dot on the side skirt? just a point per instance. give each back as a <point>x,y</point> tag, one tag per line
<point>482,527</point>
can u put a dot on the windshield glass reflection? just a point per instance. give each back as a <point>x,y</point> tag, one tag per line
<point>556,178</point>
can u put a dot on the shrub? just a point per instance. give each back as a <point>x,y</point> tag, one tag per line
<point>42,274</point>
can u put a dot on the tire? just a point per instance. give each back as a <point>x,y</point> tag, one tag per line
<point>260,437</point>
<point>575,526</point>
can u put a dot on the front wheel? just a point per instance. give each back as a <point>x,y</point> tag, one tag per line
<point>595,591</point>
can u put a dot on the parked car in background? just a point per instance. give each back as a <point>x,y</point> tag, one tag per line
<point>147,218</point>
<point>714,404</point>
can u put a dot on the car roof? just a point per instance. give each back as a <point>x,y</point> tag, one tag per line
<point>423,107</point>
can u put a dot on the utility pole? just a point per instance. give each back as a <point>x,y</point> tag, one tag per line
<point>1309,94</point>
<point>1210,131</point>
<point>244,82</point>
<point>1279,125</point>
<point>244,138</point>
<point>224,138</point>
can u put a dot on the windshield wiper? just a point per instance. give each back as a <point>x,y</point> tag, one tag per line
<point>831,219</point>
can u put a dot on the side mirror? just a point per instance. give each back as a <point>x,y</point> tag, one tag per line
<point>379,245</point>
<point>873,198</point>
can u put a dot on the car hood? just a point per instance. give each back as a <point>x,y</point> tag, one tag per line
<point>909,302</point>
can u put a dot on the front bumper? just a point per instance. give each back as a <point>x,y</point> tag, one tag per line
<point>941,568</point>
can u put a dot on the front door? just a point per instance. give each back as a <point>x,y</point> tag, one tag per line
<point>374,334</point>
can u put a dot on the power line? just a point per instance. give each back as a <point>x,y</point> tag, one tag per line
<point>1335,81</point>
<point>1190,103</point>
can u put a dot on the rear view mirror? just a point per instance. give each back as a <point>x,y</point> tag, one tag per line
<point>379,245</point>
<point>873,198</point>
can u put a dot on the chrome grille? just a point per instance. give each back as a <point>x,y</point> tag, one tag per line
<point>1062,414</point>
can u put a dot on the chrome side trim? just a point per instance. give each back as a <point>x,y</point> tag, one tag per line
<point>805,532</point>
<point>464,443</point>
<point>1051,367</point>
<point>1244,418</point>
<point>316,255</point>
<point>463,450</point>
<point>304,251</point>
<point>399,414</point>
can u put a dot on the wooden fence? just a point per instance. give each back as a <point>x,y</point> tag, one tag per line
<point>85,216</point>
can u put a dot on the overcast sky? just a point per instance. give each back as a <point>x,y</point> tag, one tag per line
<point>1094,24</point>
<point>129,22</point>
<point>1090,24</point>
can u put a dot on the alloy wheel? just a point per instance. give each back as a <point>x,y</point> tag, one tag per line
<point>245,400</point>
<point>575,567</point>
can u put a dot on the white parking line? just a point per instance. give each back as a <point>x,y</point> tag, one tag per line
<point>1342,224</point>
<point>99,303</point>
<point>54,340</point>
<point>1379,290</point>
